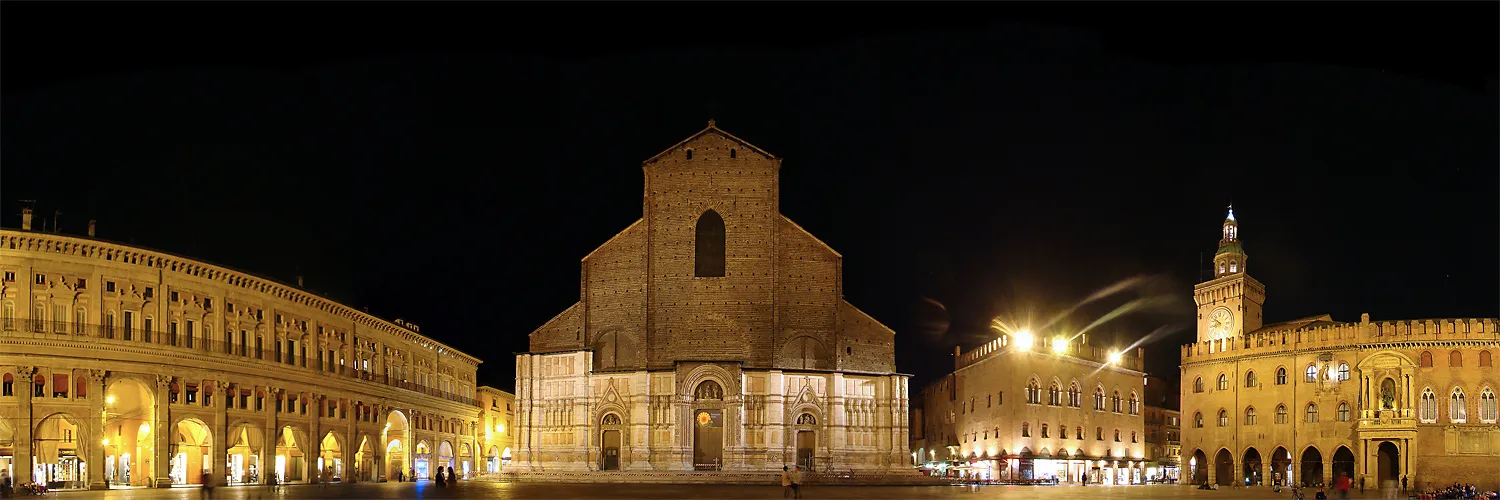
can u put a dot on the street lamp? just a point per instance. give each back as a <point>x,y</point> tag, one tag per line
<point>1059,345</point>
<point>1114,357</point>
<point>1024,340</point>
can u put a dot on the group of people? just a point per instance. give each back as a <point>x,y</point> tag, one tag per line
<point>1461,491</point>
<point>791,482</point>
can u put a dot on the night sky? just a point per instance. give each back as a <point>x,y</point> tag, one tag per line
<point>449,164</point>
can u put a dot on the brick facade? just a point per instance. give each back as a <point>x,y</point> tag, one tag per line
<point>770,326</point>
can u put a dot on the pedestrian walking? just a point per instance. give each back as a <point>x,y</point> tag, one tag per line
<point>797,482</point>
<point>786,482</point>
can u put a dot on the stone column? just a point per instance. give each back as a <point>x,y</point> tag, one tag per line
<point>26,427</point>
<point>267,465</point>
<point>776,416</point>
<point>161,434</point>
<point>220,445</point>
<point>315,439</point>
<point>96,430</point>
<point>409,442</point>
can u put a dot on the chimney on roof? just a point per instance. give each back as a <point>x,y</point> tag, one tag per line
<point>91,229</point>
<point>26,219</point>
<point>299,282</point>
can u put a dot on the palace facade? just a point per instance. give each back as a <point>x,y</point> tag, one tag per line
<point>1408,402</point>
<point>712,333</point>
<point>497,416</point>
<point>124,366</point>
<point>1043,409</point>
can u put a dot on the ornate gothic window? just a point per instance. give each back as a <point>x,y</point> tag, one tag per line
<point>1114,402</point>
<point>1033,392</point>
<point>1075,398</point>
<point>708,389</point>
<point>1487,409</point>
<point>1044,430</point>
<point>1427,407</point>
<point>1054,395</point>
<point>708,248</point>
<point>1458,409</point>
<point>1135,404</point>
<point>1099,398</point>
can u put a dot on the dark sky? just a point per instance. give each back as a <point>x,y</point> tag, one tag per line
<point>451,163</point>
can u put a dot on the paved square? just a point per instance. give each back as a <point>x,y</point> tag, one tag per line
<point>489,490</point>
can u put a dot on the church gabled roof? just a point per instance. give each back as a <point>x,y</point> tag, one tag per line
<point>711,128</point>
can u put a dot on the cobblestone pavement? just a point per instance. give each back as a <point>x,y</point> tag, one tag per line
<point>488,490</point>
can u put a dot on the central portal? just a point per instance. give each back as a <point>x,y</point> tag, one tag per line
<point>708,439</point>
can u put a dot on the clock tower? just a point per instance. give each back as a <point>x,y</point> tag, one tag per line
<point>1229,305</point>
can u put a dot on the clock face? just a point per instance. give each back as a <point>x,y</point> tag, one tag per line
<point>1220,322</point>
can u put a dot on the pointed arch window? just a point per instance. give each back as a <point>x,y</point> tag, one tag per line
<point>1426,359</point>
<point>1135,403</point>
<point>1312,374</point>
<point>1033,392</point>
<point>1198,420</point>
<point>1281,375</point>
<point>1075,397</point>
<point>1250,417</point>
<point>1484,359</point>
<point>1198,384</point>
<point>1487,410</point>
<point>1250,378</point>
<point>1343,372</point>
<point>1458,409</point>
<point>1281,414</point>
<point>1114,402</point>
<point>1054,395</point>
<point>1223,384</point>
<point>1223,418</point>
<point>1025,429</point>
<point>1343,412</point>
<point>1099,398</point>
<point>1455,359</point>
<point>708,248</point>
<point>1311,415</point>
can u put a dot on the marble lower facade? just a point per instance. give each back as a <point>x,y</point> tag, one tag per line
<point>705,416</point>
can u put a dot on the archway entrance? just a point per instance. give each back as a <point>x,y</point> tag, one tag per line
<point>245,442</point>
<point>129,408</point>
<point>1281,466</point>
<point>364,460</point>
<point>465,460</point>
<point>291,455</point>
<point>1388,463</point>
<point>609,441</point>
<point>492,460</point>
<point>1252,467</point>
<point>1224,468</point>
<point>1343,464</point>
<point>445,457</point>
<point>396,467</point>
<point>330,459</point>
<point>58,453</point>
<point>1312,467</point>
<point>1199,463</point>
<point>421,460</point>
<point>708,426</point>
<point>190,452</point>
<point>807,445</point>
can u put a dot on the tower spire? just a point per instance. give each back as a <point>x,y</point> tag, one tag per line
<point>1230,257</point>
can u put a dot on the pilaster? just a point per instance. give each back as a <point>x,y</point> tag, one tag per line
<point>96,430</point>
<point>267,467</point>
<point>24,431</point>
<point>161,434</point>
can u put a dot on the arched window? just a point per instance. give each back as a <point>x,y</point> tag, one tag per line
<point>1426,359</point>
<point>1117,435</point>
<point>1135,404</point>
<point>1075,397</point>
<point>1312,413</point>
<point>708,248</point>
<point>1455,359</point>
<point>1343,372</point>
<point>1484,359</point>
<point>1044,430</point>
<point>1098,433</point>
<point>1281,414</point>
<point>1312,374</point>
<point>8,385</point>
<point>1078,432</point>
<point>1250,416</point>
<point>1198,384</point>
<point>1281,375</point>
<point>1343,412</point>
<point>1223,418</point>
<point>1115,402</point>
<point>1198,420</point>
<point>1025,429</point>
<point>1458,409</point>
<point>1487,409</point>
<point>1133,438</point>
<point>708,389</point>
<point>1054,396</point>
<point>1232,267</point>
<point>1033,392</point>
<point>1427,407</point>
<point>1250,378</point>
<point>1223,384</point>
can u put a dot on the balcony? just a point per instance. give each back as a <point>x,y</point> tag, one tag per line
<point>13,327</point>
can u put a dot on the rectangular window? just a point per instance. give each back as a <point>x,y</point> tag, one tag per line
<point>174,296</point>
<point>83,284</point>
<point>172,333</point>
<point>146,330</point>
<point>191,332</point>
<point>208,304</point>
<point>10,276</point>
<point>129,325</point>
<point>41,279</point>
<point>109,286</point>
<point>150,292</point>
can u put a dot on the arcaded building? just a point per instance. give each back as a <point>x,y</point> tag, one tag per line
<point>124,366</point>
<point>1312,399</point>
<point>1053,407</point>
<point>497,416</point>
<point>711,334</point>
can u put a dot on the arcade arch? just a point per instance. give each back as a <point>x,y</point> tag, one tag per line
<point>129,410</point>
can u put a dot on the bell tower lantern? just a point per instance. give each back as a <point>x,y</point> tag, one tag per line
<point>1229,305</point>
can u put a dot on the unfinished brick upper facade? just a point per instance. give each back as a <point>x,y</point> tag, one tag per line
<point>712,277</point>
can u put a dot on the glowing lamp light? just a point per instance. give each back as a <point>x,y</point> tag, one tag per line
<point>1024,340</point>
<point>104,442</point>
<point>500,428</point>
<point>1059,345</point>
<point>109,400</point>
<point>1114,357</point>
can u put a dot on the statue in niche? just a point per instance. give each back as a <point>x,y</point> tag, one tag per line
<point>1388,394</point>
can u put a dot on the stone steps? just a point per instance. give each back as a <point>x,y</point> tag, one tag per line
<point>912,478</point>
